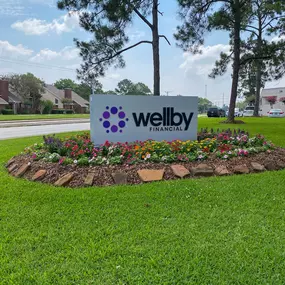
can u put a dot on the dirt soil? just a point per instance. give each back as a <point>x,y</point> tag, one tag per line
<point>103,174</point>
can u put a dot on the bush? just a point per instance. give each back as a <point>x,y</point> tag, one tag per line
<point>7,112</point>
<point>62,111</point>
<point>24,112</point>
<point>47,106</point>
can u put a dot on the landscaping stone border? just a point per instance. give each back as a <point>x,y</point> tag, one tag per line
<point>74,176</point>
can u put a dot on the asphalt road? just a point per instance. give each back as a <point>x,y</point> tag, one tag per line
<point>29,131</point>
<point>21,123</point>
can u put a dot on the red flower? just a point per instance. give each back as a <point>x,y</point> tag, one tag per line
<point>75,148</point>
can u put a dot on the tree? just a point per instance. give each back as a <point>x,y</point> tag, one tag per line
<point>65,84</point>
<point>127,87</point>
<point>84,89</point>
<point>45,106</point>
<point>29,87</point>
<point>241,105</point>
<point>108,21</point>
<point>271,100</point>
<point>201,16</point>
<point>265,20</point>
<point>203,105</point>
<point>110,92</point>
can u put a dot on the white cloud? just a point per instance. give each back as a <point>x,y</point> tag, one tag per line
<point>7,49</point>
<point>113,75</point>
<point>202,63</point>
<point>66,23</point>
<point>50,3</point>
<point>11,8</point>
<point>277,38</point>
<point>136,35</point>
<point>68,53</point>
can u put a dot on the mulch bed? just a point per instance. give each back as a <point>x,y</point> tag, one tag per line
<point>103,174</point>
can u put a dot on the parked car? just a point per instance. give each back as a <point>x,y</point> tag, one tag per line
<point>238,112</point>
<point>216,112</point>
<point>276,113</point>
<point>248,111</point>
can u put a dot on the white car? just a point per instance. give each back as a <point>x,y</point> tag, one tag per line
<point>276,113</point>
<point>238,113</point>
<point>248,111</point>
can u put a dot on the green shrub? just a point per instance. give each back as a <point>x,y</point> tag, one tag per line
<point>48,105</point>
<point>62,111</point>
<point>7,112</point>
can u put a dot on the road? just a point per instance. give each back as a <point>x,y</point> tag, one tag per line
<point>29,131</point>
<point>21,123</point>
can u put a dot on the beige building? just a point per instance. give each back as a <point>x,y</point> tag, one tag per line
<point>265,105</point>
<point>62,99</point>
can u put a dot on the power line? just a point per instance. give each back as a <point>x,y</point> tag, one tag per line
<point>40,65</point>
<point>45,66</point>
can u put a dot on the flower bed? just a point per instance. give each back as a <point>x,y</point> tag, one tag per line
<point>79,150</point>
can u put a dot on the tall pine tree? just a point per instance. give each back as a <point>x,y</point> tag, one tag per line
<point>236,17</point>
<point>108,21</point>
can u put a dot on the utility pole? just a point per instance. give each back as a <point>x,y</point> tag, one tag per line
<point>223,99</point>
<point>206,91</point>
<point>167,92</point>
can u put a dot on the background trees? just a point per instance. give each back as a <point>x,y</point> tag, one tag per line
<point>28,86</point>
<point>84,89</point>
<point>124,87</point>
<point>127,87</point>
<point>108,20</point>
<point>251,17</point>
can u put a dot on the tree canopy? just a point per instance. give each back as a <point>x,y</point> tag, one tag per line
<point>83,89</point>
<point>127,87</point>
<point>27,86</point>
<point>236,17</point>
<point>108,21</point>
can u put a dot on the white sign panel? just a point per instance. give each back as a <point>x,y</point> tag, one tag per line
<point>129,118</point>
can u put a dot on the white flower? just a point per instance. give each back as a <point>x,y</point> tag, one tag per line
<point>75,161</point>
<point>225,156</point>
<point>148,156</point>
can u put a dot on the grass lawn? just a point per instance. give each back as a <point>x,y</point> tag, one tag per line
<point>228,230</point>
<point>42,117</point>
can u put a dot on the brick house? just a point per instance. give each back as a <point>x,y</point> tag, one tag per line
<point>62,99</point>
<point>4,94</point>
<point>68,99</point>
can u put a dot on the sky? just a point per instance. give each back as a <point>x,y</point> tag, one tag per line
<point>36,37</point>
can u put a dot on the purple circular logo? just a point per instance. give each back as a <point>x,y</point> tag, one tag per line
<point>114,119</point>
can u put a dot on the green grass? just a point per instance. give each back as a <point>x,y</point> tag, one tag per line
<point>227,230</point>
<point>42,117</point>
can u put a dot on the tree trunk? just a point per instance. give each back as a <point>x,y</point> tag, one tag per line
<point>236,64</point>
<point>258,68</point>
<point>258,88</point>
<point>155,49</point>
